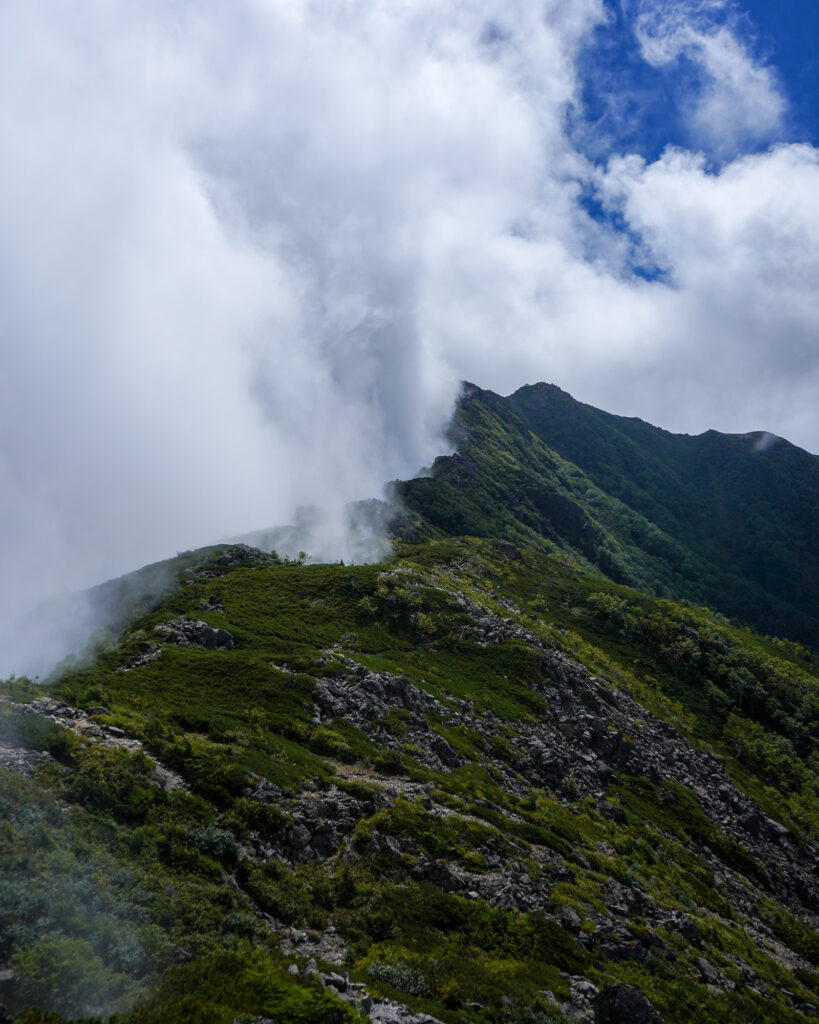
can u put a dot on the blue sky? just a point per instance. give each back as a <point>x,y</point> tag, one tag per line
<point>629,105</point>
<point>788,32</point>
<point>636,107</point>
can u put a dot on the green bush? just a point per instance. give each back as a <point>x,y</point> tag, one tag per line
<point>242,982</point>
<point>401,976</point>
<point>217,843</point>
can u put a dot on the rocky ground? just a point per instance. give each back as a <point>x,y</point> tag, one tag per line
<point>588,736</point>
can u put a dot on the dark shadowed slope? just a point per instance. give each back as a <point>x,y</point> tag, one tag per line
<point>726,520</point>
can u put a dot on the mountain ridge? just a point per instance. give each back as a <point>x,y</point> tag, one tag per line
<point>712,518</point>
<point>483,780</point>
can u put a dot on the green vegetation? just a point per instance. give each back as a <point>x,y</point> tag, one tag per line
<point>121,896</point>
<point>155,852</point>
<point>714,519</point>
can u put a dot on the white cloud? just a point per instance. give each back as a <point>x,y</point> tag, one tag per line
<point>246,253</point>
<point>738,101</point>
<point>742,246</point>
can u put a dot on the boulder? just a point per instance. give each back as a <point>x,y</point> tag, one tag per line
<point>624,1004</point>
<point>708,973</point>
<point>445,751</point>
<point>611,811</point>
<point>752,822</point>
<point>387,1012</point>
<point>568,918</point>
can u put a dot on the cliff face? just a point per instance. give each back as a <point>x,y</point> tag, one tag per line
<point>478,782</point>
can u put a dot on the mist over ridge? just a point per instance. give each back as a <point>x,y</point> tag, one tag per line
<point>233,287</point>
<point>724,520</point>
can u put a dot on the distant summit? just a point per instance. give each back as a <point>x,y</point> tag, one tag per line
<point>728,520</point>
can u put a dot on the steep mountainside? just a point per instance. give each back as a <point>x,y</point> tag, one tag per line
<point>473,783</point>
<point>724,520</point>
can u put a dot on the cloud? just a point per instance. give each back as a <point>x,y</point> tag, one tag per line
<point>735,101</point>
<point>740,319</point>
<point>213,233</point>
<point>741,103</point>
<point>247,253</point>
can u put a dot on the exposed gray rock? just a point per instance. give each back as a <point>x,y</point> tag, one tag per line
<point>711,976</point>
<point>380,1011</point>
<point>588,734</point>
<point>148,652</point>
<point>186,632</point>
<point>387,1012</point>
<point>310,969</point>
<point>57,710</point>
<point>439,873</point>
<point>580,1005</point>
<point>569,919</point>
<point>317,825</point>
<point>264,791</point>
<point>238,554</point>
<point>689,930</point>
<point>337,981</point>
<point>366,698</point>
<point>25,762</point>
<point>326,945</point>
<point>624,1004</point>
<point>445,751</point>
<point>108,736</point>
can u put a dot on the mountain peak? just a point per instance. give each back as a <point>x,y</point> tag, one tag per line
<point>701,517</point>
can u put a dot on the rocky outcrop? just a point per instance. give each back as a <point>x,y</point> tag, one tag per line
<point>183,632</point>
<point>366,699</point>
<point>23,761</point>
<point>565,821</point>
<point>387,1012</point>
<point>186,632</point>
<point>588,735</point>
<point>228,558</point>
<point>241,554</point>
<point>86,725</point>
<point>379,1011</point>
<point>316,825</point>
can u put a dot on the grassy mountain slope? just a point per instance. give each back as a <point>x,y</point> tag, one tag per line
<point>724,520</point>
<point>481,780</point>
